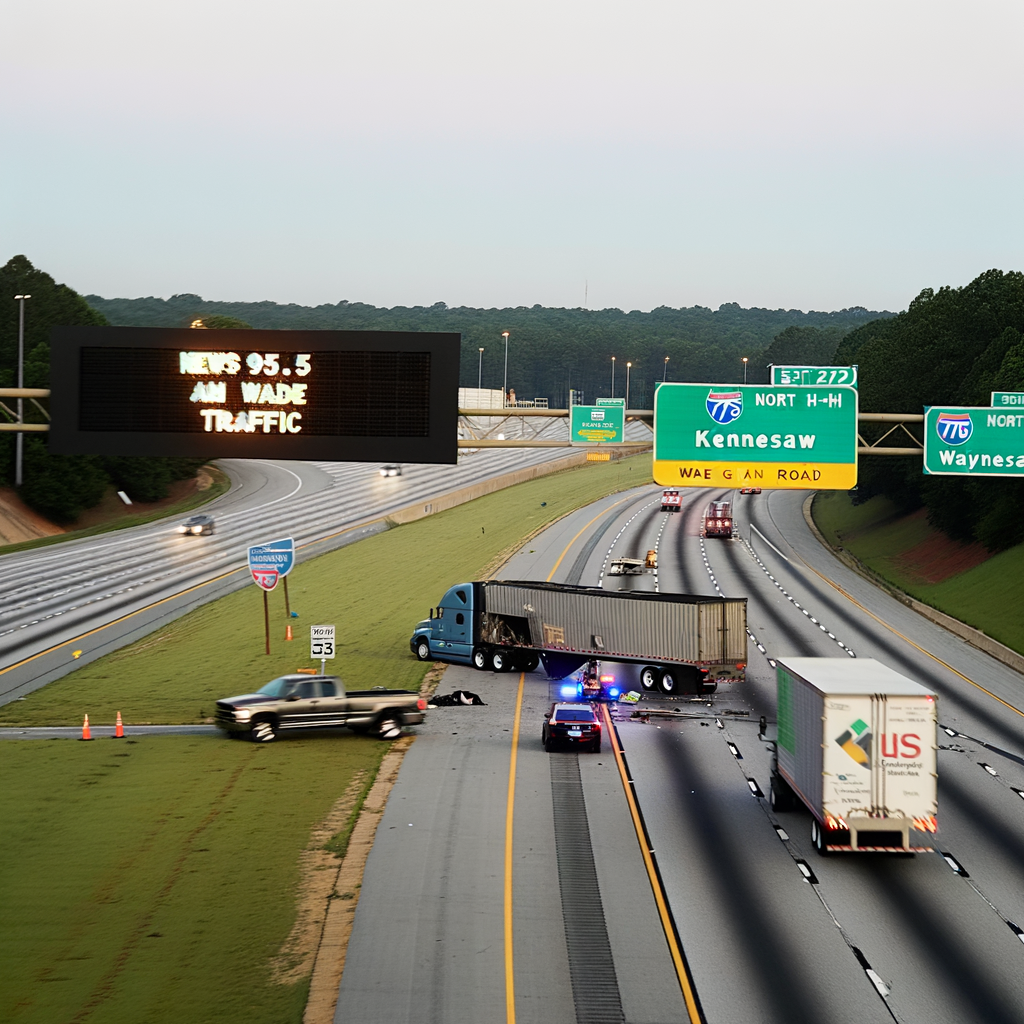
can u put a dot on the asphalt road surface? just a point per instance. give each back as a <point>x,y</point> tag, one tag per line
<point>485,837</point>
<point>93,595</point>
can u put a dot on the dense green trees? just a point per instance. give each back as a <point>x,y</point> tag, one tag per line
<point>951,347</point>
<point>550,350</point>
<point>62,486</point>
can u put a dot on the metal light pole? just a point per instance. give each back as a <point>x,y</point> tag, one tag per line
<point>504,386</point>
<point>664,377</point>
<point>628,365</point>
<point>613,377</point>
<point>744,369</point>
<point>19,442</point>
<point>480,371</point>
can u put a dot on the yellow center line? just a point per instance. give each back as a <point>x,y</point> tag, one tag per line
<point>682,971</point>
<point>510,981</point>
<point>893,629</point>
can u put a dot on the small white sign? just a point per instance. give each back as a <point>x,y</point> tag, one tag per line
<point>597,414</point>
<point>321,642</point>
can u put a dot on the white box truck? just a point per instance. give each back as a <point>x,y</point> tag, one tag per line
<point>857,746</point>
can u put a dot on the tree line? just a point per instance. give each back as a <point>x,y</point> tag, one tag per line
<point>61,487</point>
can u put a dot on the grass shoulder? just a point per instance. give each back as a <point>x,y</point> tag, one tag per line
<point>984,591</point>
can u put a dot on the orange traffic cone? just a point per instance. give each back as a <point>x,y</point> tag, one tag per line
<point>288,633</point>
<point>86,733</point>
<point>119,728</point>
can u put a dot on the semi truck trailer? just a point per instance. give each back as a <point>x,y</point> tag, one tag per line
<point>857,747</point>
<point>718,519</point>
<point>683,643</point>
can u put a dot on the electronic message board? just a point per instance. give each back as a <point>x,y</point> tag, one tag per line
<point>360,396</point>
<point>739,435</point>
<point>971,441</point>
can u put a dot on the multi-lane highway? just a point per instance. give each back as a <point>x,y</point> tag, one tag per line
<point>95,594</point>
<point>508,884</point>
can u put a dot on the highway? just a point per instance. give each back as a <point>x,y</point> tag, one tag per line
<point>471,852</point>
<point>96,594</point>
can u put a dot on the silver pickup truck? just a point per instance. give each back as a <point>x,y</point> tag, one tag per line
<point>315,702</point>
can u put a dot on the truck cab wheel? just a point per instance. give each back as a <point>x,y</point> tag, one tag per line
<point>423,649</point>
<point>780,797</point>
<point>500,661</point>
<point>479,659</point>
<point>649,677</point>
<point>669,683</point>
<point>263,730</point>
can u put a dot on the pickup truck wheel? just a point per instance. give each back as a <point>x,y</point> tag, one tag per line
<point>423,649</point>
<point>389,726</point>
<point>649,677</point>
<point>263,730</point>
<point>500,661</point>
<point>480,659</point>
<point>669,684</point>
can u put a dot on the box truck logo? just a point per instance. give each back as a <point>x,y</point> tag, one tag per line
<point>856,741</point>
<point>910,742</point>
<point>725,406</point>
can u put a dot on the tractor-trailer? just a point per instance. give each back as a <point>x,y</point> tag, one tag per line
<point>684,643</point>
<point>856,745</point>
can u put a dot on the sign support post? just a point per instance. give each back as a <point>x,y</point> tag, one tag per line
<point>266,619</point>
<point>287,603</point>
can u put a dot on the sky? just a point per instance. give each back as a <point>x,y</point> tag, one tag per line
<point>811,155</point>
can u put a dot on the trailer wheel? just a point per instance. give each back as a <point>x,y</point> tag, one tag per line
<point>818,838</point>
<point>649,677</point>
<point>423,648</point>
<point>531,663</point>
<point>669,684</point>
<point>500,661</point>
<point>480,659</point>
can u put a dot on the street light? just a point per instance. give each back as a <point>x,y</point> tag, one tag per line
<point>613,376</point>
<point>504,386</point>
<point>19,442</point>
<point>628,365</point>
<point>480,371</point>
<point>744,369</point>
<point>664,377</point>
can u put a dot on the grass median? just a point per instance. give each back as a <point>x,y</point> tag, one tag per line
<point>155,879</point>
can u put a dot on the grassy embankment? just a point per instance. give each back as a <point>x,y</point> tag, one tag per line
<point>156,879</point>
<point>989,596</point>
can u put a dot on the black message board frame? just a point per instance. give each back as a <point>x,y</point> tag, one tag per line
<point>438,445</point>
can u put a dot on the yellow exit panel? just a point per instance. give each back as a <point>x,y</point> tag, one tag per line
<point>795,476</point>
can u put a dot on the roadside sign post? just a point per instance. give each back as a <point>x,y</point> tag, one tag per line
<point>970,441</point>
<point>321,645</point>
<point>268,564</point>
<point>738,435</point>
<point>812,376</point>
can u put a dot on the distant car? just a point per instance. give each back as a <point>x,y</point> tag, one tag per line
<point>571,725</point>
<point>197,525</point>
<point>750,490</point>
<point>390,470</point>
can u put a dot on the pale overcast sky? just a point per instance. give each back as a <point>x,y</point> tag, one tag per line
<point>813,154</point>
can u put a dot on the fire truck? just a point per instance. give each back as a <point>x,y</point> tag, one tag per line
<point>671,501</point>
<point>718,519</point>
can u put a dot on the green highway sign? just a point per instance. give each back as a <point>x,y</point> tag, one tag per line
<point>736,435</point>
<point>597,424</point>
<point>611,401</point>
<point>1008,399</point>
<point>812,376</point>
<point>966,441</point>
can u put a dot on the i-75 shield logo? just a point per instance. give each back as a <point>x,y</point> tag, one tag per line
<point>954,427</point>
<point>725,406</point>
